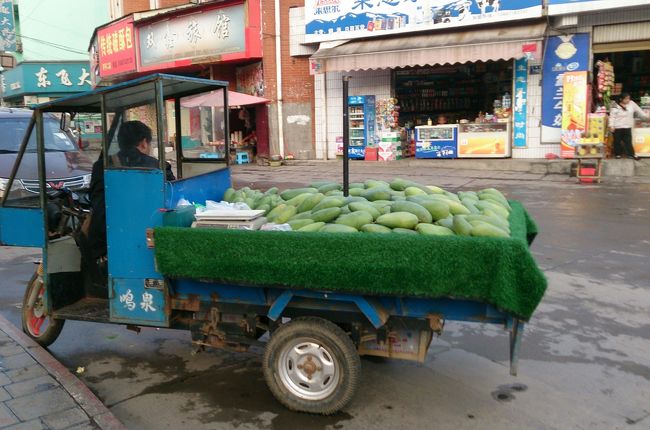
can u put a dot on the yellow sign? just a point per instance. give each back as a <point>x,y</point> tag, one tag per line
<point>494,144</point>
<point>641,141</point>
<point>574,111</point>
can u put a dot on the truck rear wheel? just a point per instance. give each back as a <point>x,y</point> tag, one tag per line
<point>36,323</point>
<point>311,365</point>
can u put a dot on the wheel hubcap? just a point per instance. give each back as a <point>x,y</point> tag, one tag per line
<point>37,315</point>
<point>308,370</point>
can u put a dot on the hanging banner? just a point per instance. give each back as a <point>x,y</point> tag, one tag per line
<point>520,105</point>
<point>574,111</point>
<point>7,26</point>
<point>568,53</point>
<point>250,79</point>
<point>351,19</point>
<point>560,7</point>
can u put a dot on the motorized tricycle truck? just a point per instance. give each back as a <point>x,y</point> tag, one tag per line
<point>230,287</point>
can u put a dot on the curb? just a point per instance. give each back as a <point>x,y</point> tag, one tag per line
<point>535,166</point>
<point>86,399</point>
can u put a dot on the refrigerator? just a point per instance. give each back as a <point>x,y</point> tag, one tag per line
<point>436,141</point>
<point>361,120</point>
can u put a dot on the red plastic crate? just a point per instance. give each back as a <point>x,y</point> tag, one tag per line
<point>587,171</point>
<point>371,154</point>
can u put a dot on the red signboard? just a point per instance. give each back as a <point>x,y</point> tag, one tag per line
<point>116,45</point>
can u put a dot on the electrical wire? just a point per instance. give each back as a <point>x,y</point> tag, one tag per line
<point>54,45</point>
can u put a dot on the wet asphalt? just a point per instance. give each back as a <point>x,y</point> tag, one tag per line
<point>585,358</point>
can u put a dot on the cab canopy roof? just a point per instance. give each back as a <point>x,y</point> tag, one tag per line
<point>136,92</point>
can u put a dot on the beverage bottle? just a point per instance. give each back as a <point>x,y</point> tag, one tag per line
<point>507,101</point>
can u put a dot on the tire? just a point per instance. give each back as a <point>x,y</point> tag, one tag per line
<point>311,365</point>
<point>34,317</point>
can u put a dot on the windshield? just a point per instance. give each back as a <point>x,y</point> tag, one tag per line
<point>12,131</point>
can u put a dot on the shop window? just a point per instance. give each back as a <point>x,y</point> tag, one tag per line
<point>202,133</point>
<point>453,92</point>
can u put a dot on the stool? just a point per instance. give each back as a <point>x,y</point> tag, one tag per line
<point>242,158</point>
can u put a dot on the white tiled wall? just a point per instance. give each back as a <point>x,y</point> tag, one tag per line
<point>329,103</point>
<point>297,33</point>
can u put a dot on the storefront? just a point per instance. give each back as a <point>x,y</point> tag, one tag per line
<point>627,67</point>
<point>217,41</point>
<point>619,38</point>
<point>451,93</point>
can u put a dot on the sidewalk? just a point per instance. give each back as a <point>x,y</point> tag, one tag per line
<point>38,392</point>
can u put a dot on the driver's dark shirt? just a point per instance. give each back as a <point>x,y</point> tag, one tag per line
<point>97,230</point>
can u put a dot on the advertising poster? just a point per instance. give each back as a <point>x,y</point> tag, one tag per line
<point>559,7</point>
<point>567,53</point>
<point>574,111</point>
<point>349,19</point>
<point>483,145</point>
<point>641,141</point>
<point>520,105</point>
<point>250,79</point>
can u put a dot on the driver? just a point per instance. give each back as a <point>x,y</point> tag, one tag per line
<point>134,140</point>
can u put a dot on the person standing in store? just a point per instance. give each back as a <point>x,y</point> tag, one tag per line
<point>621,122</point>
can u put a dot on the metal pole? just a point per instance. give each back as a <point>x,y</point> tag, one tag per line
<point>346,139</point>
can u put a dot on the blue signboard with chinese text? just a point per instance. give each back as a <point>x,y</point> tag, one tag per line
<point>7,26</point>
<point>568,53</point>
<point>47,78</point>
<point>520,105</point>
<point>349,19</point>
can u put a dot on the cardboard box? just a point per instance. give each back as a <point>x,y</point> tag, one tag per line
<point>386,156</point>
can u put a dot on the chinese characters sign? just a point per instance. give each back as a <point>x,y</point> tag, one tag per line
<point>116,47</point>
<point>563,54</point>
<point>520,103</point>
<point>205,34</point>
<point>349,19</point>
<point>559,7</point>
<point>7,26</point>
<point>47,78</point>
<point>146,303</point>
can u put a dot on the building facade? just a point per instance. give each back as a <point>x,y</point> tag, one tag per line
<point>251,54</point>
<point>492,71</point>
<point>48,43</point>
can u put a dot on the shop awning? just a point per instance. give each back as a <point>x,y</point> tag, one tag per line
<point>215,98</point>
<point>486,44</point>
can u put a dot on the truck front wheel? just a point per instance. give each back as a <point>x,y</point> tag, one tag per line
<point>311,365</point>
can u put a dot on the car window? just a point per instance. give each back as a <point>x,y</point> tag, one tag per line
<point>12,131</point>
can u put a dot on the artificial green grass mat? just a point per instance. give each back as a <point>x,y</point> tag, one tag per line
<point>499,271</point>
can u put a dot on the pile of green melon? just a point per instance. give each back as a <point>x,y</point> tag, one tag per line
<point>400,206</point>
